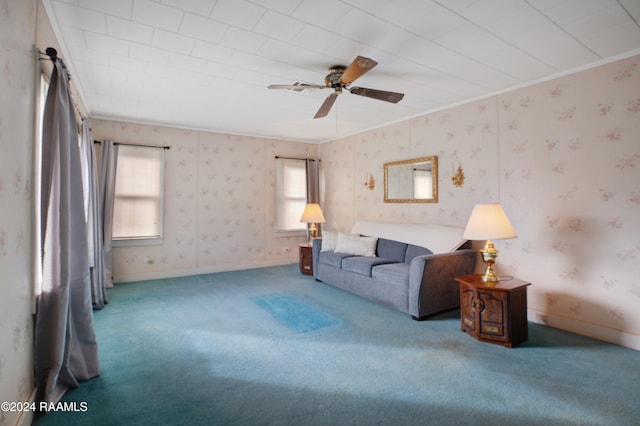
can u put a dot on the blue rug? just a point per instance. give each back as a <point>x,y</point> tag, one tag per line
<point>294,313</point>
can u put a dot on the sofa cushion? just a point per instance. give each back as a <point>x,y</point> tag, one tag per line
<point>332,258</point>
<point>393,250</point>
<point>363,264</point>
<point>415,251</point>
<point>394,273</point>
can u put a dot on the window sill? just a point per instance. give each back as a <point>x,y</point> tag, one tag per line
<point>287,234</point>
<point>133,242</point>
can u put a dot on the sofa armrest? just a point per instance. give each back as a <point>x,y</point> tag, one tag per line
<point>432,284</point>
<point>315,252</point>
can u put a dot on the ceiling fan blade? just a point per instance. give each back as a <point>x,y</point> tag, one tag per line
<point>326,105</point>
<point>382,95</point>
<point>300,86</point>
<point>358,67</point>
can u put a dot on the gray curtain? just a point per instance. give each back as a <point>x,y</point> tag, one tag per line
<point>109,163</point>
<point>93,213</point>
<point>65,346</point>
<point>313,187</point>
<point>313,181</point>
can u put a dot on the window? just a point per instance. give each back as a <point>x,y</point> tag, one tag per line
<point>291,195</point>
<point>138,204</point>
<point>37,179</point>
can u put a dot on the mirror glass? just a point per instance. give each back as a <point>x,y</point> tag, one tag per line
<point>411,181</point>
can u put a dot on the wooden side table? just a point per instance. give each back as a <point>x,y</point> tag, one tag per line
<point>495,313</point>
<point>306,258</point>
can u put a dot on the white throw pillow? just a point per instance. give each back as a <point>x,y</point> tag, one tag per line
<point>328,241</point>
<point>368,246</point>
<point>355,244</point>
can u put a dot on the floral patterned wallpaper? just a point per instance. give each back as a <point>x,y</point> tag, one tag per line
<point>219,202</point>
<point>562,157</point>
<point>17,71</point>
<point>571,175</point>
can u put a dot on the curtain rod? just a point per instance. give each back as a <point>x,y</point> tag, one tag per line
<point>291,158</point>
<point>53,57</point>
<point>133,144</point>
<point>51,52</point>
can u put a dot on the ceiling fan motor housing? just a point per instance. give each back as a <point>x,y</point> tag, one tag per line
<point>333,78</point>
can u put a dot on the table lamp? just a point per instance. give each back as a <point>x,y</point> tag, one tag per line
<point>489,222</point>
<point>312,214</point>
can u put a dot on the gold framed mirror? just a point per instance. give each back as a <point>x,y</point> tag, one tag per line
<point>411,181</point>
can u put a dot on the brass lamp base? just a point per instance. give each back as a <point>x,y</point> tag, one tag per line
<point>313,231</point>
<point>489,255</point>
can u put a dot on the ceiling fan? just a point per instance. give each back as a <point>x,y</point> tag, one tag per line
<point>340,77</point>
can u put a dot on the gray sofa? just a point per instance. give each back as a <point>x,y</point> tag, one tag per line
<point>405,277</point>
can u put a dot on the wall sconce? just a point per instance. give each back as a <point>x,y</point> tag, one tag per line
<point>457,176</point>
<point>370,183</point>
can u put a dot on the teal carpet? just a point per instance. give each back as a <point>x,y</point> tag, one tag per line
<point>273,347</point>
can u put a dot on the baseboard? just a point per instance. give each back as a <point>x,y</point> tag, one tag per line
<point>610,335</point>
<point>174,273</point>
<point>26,417</point>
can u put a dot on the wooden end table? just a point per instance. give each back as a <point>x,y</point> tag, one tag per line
<point>495,313</point>
<point>306,258</point>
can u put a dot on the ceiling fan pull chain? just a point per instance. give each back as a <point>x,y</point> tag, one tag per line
<point>336,120</point>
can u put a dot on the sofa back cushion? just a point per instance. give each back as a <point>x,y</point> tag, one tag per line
<point>415,251</point>
<point>392,250</point>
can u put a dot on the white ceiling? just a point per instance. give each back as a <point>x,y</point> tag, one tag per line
<point>206,64</point>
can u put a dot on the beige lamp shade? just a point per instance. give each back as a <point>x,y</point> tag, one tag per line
<point>312,214</point>
<point>488,222</point>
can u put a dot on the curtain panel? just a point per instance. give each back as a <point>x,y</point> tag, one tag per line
<point>65,345</point>
<point>313,187</point>
<point>93,215</point>
<point>107,191</point>
<point>313,181</point>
